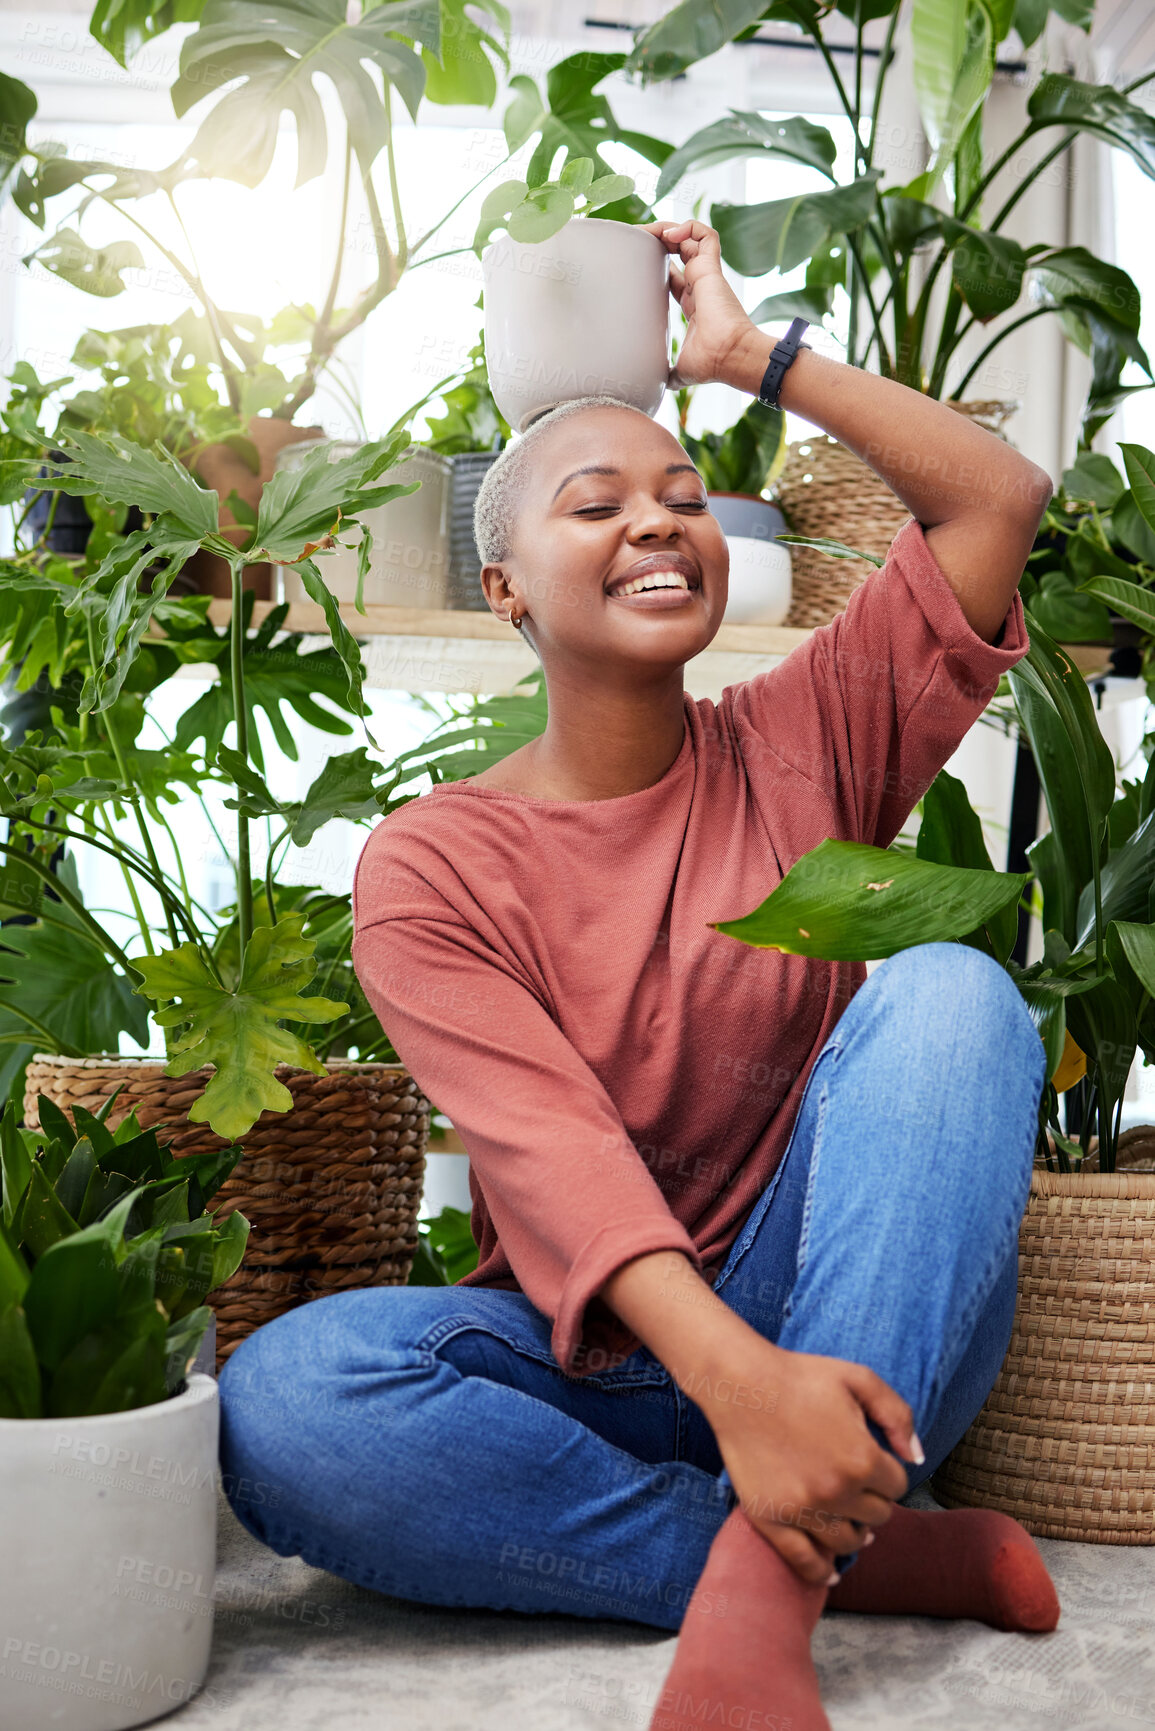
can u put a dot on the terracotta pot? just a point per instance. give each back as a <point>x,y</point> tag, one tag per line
<point>221,468</point>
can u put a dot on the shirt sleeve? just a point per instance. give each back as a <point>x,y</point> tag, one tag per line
<point>569,1196</point>
<point>872,706</point>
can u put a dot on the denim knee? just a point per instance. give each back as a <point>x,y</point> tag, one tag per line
<point>924,972</point>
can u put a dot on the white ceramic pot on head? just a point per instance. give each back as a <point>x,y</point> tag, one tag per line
<point>583,314</point>
<point>110,1532</point>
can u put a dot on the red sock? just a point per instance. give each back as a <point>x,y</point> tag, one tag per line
<point>952,1563</point>
<point>743,1654</point>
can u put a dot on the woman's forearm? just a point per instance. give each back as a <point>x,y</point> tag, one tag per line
<point>979,500</point>
<point>939,463</point>
<point>663,1299</point>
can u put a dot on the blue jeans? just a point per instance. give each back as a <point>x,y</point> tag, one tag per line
<point>422,1440</point>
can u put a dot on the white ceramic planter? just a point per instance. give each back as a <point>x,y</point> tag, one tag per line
<point>761,586</point>
<point>583,314</point>
<point>409,563</point>
<point>761,577</point>
<point>106,1591</point>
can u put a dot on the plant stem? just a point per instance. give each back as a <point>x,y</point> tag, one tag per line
<point>131,794</point>
<point>956,394</point>
<point>240,717</point>
<point>394,189</point>
<point>64,894</point>
<point>335,279</point>
<point>130,886</point>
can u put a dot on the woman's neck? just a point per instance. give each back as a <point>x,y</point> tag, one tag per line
<point>599,745</point>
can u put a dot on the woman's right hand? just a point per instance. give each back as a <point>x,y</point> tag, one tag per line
<point>803,1462</point>
<point>791,1426</point>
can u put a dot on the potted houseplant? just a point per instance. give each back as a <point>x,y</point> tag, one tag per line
<point>547,282</point>
<point>222,987</point>
<point>108,1438</point>
<point>737,466</point>
<point>469,434</point>
<point>894,246</point>
<point>1058,1414</point>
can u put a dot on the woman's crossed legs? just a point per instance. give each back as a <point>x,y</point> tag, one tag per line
<point>422,1441</point>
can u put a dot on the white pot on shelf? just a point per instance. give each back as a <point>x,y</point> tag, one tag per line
<point>409,562</point>
<point>761,581</point>
<point>585,313</point>
<point>106,1599</point>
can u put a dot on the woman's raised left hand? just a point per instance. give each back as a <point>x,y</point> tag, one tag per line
<point>718,327</point>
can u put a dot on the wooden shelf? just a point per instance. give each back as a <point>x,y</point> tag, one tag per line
<point>447,624</point>
<point>438,649</point>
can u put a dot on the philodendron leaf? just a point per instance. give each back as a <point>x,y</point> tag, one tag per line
<point>836,549</point>
<point>344,788</point>
<point>307,503</point>
<point>129,474</point>
<point>849,902</point>
<point>237,1030</point>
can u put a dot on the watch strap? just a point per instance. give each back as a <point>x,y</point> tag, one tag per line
<point>781,358</point>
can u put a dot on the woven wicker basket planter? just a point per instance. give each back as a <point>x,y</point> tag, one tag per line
<point>331,1188</point>
<point>1066,1440</point>
<point>825,490</point>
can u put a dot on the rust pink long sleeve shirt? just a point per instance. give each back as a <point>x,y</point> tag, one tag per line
<point>624,1078</point>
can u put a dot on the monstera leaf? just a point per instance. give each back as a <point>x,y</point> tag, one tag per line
<point>278,50</point>
<point>236,1028</point>
<point>284,677</point>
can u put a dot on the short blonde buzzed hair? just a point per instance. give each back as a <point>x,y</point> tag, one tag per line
<point>499,496</point>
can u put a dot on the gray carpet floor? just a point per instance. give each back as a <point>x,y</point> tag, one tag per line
<point>296,1649</point>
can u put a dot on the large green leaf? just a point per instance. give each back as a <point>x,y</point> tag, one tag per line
<point>17,107</point>
<point>1132,528</point>
<point>1129,599</point>
<point>124,26</point>
<point>278,49</point>
<point>750,134</point>
<point>113,468</point>
<point>1125,883</point>
<point>98,270</point>
<point>1071,273</point>
<point>951,833</point>
<point>60,992</point>
<point>1140,466</point>
<point>237,1030</point>
<point>73,1289</point>
<point>847,901</point>
<point>20,1395</point>
<point>310,500</point>
<point>988,272</point>
<point>465,745</point>
<point>462,70</point>
<point>278,676</point>
<point>1138,944</point>
<point>1058,100</point>
<point>579,120</point>
<point>784,232</point>
<point>938,35</point>
<point>695,29</point>
<point>1093,478</point>
<point>1047,672</point>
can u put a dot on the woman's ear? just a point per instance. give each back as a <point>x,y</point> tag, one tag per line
<point>498,593</point>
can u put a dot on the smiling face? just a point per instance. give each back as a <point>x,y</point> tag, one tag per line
<point>615,556</point>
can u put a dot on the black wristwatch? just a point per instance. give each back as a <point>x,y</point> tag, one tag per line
<point>781,358</point>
